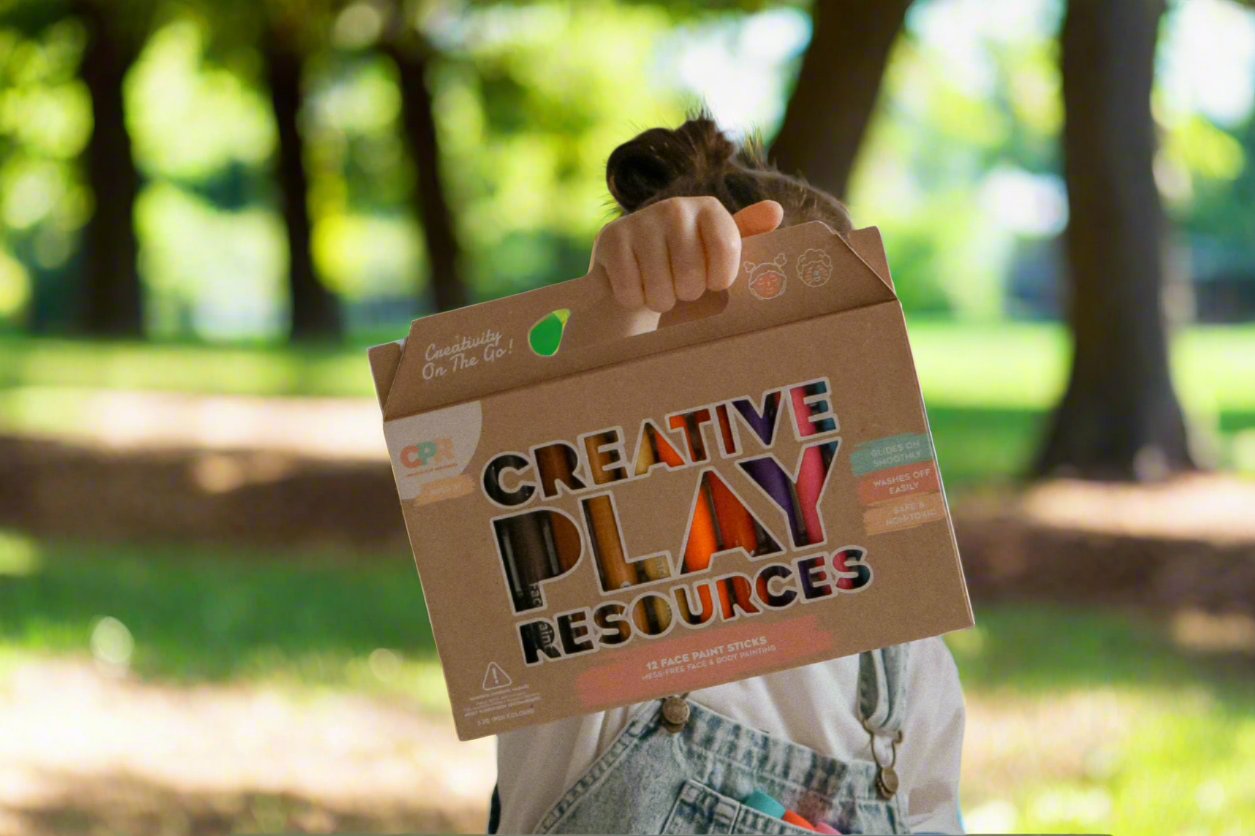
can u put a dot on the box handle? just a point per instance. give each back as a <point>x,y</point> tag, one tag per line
<point>598,318</point>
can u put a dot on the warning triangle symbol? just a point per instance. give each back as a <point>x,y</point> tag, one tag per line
<point>495,677</point>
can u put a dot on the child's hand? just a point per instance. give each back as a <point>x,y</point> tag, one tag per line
<point>677,249</point>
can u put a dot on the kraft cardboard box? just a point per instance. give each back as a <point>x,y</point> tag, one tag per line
<point>603,511</point>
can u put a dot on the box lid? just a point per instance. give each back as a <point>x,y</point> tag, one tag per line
<point>445,358</point>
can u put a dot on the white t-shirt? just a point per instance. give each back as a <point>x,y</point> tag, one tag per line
<point>536,765</point>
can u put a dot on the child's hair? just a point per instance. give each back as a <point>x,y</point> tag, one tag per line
<point>696,159</point>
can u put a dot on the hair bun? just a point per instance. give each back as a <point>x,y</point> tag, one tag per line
<point>640,169</point>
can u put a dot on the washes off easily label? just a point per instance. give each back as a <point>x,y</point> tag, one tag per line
<point>898,482</point>
<point>429,452</point>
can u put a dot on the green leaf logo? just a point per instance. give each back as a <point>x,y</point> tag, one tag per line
<point>546,335</point>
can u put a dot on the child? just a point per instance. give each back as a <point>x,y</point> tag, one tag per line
<point>867,743</point>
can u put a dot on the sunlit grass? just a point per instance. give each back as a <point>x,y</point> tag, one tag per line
<point>1089,721</point>
<point>305,620</point>
<point>1005,364</point>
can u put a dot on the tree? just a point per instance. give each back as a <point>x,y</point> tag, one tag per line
<point>290,33</point>
<point>315,311</point>
<point>112,301</point>
<point>1119,418</point>
<point>413,55</point>
<point>836,89</point>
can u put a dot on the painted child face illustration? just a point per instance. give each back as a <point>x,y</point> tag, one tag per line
<point>767,280</point>
<point>814,267</point>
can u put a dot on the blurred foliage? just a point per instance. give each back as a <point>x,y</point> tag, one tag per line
<point>530,112</point>
<point>961,166</point>
<point>940,145</point>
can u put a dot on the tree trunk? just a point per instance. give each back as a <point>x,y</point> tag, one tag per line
<point>1119,418</point>
<point>412,59</point>
<point>315,311</point>
<point>836,90</point>
<point>112,300</point>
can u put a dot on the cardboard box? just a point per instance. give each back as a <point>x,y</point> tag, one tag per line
<point>482,419</point>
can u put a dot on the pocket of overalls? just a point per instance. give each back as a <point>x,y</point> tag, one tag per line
<point>699,809</point>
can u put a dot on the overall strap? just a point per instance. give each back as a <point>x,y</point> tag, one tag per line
<point>882,689</point>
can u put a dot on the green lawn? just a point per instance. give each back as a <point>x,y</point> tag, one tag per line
<point>196,614</point>
<point>1181,734</point>
<point>988,387</point>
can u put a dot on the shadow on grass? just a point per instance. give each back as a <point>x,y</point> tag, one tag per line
<point>123,803</point>
<point>211,614</point>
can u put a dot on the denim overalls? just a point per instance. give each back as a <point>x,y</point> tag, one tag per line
<point>680,768</point>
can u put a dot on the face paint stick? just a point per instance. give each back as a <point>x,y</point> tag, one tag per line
<point>764,803</point>
<point>810,479</point>
<point>703,540</point>
<point>524,549</point>
<point>736,526</point>
<point>769,478</point>
<point>796,820</point>
<point>824,425</point>
<point>554,465</point>
<point>614,569</point>
<point>656,614</point>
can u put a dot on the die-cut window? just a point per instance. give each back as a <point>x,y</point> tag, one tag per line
<point>546,335</point>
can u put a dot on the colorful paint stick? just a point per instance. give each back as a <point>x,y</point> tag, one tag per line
<point>810,479</point>
<point>796,820</point>
<point>555,465</point>
<point>657,614</point>
<point>769,478</point>
<point>611,563</point>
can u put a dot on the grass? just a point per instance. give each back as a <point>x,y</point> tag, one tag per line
<point>1170,743</point>
<point>194,614</point>
<point>1010,364</point>
<point>1173,751</point>
<point>989,387</point>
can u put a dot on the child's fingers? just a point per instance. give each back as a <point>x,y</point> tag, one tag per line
<point>613,262</point>
<point>721,245</point>
<point>761,217</point>
<point>688,262</point>
<point>654,261</point>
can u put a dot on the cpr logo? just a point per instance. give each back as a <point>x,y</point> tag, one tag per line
<point>427,452</point>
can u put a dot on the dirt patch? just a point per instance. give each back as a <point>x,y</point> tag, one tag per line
<point>1188,544</point>
<point>84,752</point>
<point>256,496</point>
<point>1184,545</point>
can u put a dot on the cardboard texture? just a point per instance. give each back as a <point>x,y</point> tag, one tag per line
<point>745,485</point>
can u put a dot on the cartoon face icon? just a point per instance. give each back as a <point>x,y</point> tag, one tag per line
<point>814,267</point>
<point>766,280</point>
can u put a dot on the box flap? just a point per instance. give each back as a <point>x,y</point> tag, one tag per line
<point>868,244</point>
<point>786,275</point>
<point>384,360</point>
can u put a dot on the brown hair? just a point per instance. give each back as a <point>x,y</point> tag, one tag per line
<point>696,159</point>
